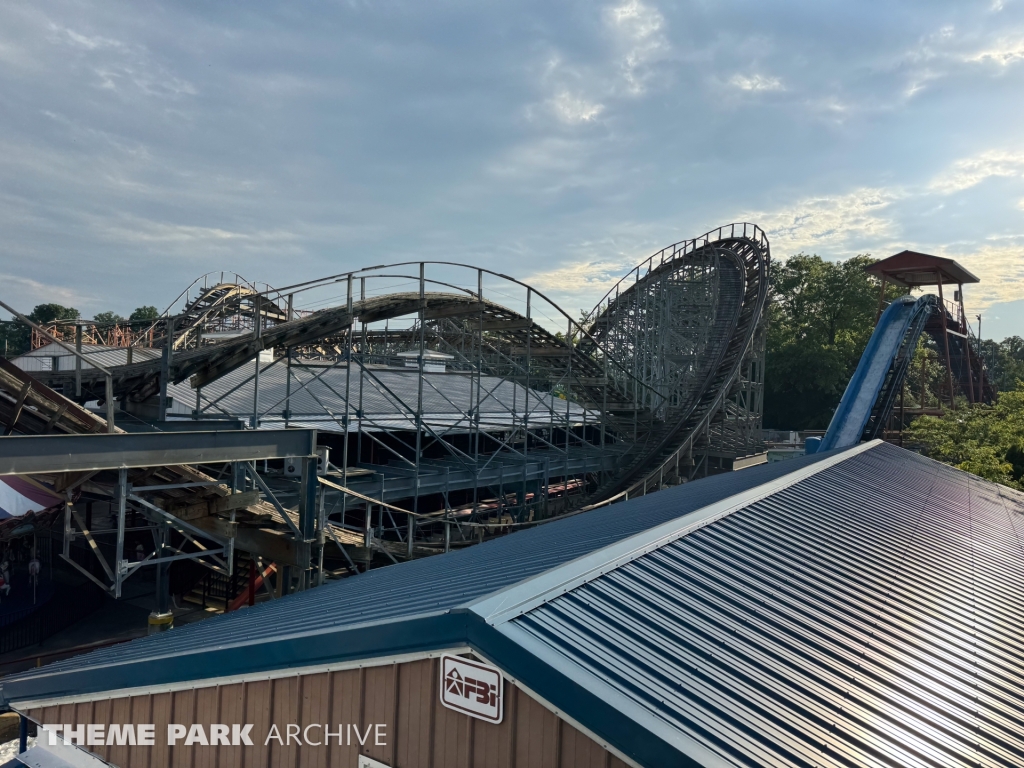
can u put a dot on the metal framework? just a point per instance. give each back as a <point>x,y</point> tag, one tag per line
<point>458,402</point>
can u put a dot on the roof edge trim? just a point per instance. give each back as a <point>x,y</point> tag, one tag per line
<point>23,706</point>
<point>520,598</point>
<point>682,744</point>
<point>561,713</point>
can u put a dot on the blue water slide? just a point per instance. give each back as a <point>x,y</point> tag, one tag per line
<point>871,393</point>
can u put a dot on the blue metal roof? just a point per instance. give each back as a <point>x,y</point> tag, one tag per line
<point>859,608</point>
<point>867,615</point>
<point>421,587</point>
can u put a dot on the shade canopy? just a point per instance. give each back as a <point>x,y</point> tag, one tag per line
<point>912,270</point>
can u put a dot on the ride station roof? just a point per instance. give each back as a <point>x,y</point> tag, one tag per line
<point>850,608</point>
<point>911,269</point>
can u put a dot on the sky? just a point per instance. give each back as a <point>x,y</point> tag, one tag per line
<point>144,144</point>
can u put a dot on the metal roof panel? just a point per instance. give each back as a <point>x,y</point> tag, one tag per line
<point>436,584</point>
<point>866,615</point>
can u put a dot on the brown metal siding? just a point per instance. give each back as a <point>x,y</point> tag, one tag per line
<point>421,733</point>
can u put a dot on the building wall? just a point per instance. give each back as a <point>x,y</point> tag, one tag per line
<point>421,733</point>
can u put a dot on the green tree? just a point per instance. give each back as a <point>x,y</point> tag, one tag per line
<point>927,379</point>
<point>144,314</point>
<point>16,337</point>
<point>821,315</point>
<point>107,318</point>
<point>13,338</point>
<point>986,440</point>
<point>48,313</point>
<point>1005,361</point>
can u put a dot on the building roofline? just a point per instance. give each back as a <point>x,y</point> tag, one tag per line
<point>503,606</point>
<point>420,632</point>
<point>24,705</point>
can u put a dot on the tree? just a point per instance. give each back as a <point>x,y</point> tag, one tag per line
<point>1005,361</point>
<point>48,313</point>
<point>986,440</point>
<point>107,318</point>
<point>821,315</point>
<point>16,337</point>
<point>144,314</point>
<point>13,338</point>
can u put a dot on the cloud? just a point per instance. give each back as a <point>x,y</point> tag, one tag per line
<point>1003,53</point>
<point>830,224</point>
<point>971,171</point>
<point>87,42</point>
<point>998,264</point>
<point>756,83</point>
<point>575,109</point>
<point>638,28</point>
<point>883,220</point>
<point>579,284</point>
<point>583,89</point>
<point>543,139</point>
<point>24,293</point>
<point>116,64</point>
<point>196,241</point>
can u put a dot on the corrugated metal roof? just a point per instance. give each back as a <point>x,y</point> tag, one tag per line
<point>387,397</point>
<point>42,359</point>
<point>859,608</point>
<point>868,615</point>
<point>430,585</point>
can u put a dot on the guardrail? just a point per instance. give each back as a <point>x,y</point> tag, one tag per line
<point>63,610</point>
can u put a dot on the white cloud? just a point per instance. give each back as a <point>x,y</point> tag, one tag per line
<point>865,220</point>
<point>834,224</point>
<point>575,109</point>
<point>549,157</point>
<point>579,284</point>
<point>1003,52</point>
<point>999,264</point>
<point>140,231</point>
<point>24,293</point>
<point>116,64</point>
<point>639,30</point>
<point>89,43</point>
<point>756,83</point>
<point>970,171</point>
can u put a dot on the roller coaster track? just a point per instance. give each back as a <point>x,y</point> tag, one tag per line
<point>690,360</point>
<point>654,364</point>
<point>221,301</point>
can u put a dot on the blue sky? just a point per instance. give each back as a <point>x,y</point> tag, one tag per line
<point>142,145</point>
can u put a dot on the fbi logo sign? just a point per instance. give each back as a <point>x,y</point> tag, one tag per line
<point>472,688</point>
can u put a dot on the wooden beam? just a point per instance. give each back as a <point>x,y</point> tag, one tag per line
<point>57,416</point>
<point>506,325</point>
<point>543,351</point>
<point>207,507</point>
<point>269,544</point>
<point>434,313</point>
<point>18,405</point>
<point>218,526</point>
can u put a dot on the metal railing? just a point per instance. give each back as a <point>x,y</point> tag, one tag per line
<point>59,613</point>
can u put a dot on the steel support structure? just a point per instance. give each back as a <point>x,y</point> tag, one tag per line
<point>512,410</point>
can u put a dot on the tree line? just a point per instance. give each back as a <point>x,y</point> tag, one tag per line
<point>821,315</point>
<point>16,337</point>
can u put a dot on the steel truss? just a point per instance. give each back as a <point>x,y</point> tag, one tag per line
<point>534,415</point>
